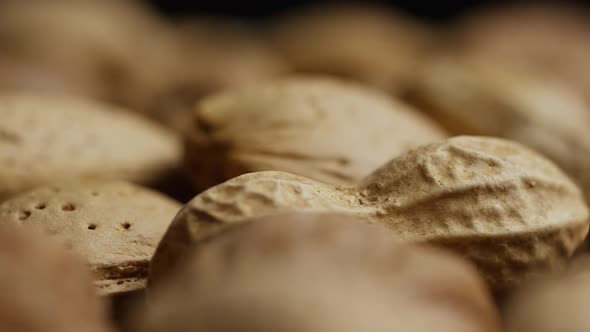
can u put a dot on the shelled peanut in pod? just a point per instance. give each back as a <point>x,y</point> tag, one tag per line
<point>115,226</point>
<point>321,128</point>
<point>508,209</point>
<point>318,272</point>
<point>472,96</point>
<point>45,288</point>
<point>45,139</point>
<point>365,43</point>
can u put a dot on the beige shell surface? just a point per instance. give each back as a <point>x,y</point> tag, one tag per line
<point>366,43</point>
<point>318,272</point>
<point>318,127</point>
<point>115,226</point>
<point>507,208</point>
<point>46,139</point>
<point>471,96</point>
<point>45,288</point>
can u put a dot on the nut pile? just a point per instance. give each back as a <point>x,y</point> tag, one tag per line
<point>337,168</point>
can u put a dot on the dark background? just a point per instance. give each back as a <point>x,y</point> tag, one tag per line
<point>428,10</point>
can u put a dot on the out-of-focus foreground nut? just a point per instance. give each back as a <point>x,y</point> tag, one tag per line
<point>324,129</point>
<point>43,288</point>
<point>315,272</point>
<point>476,97</point>
<point>365,43</point>
<point>508,209</point>
<point>557,304</point>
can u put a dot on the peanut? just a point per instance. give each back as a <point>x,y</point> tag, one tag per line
<point>505,207</point>
<point>321,128</point>
<point>318,272</point>
<point>476,97</point>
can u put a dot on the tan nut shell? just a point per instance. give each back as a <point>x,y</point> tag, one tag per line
<point>365,43</point>
<point>508,209</point>
<point>318,272</point>
<point>474,97</point>
<point>47,139</point>
<point>321,128</point>
<point>115,226</point>
<point>556,304</point>
<point>43,288</point>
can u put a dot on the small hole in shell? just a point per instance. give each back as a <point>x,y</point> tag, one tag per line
<point>40,206</point>
<point>68,207</point>
<point>92,227</point>
<point>24,215</point>
<point>126,225</point>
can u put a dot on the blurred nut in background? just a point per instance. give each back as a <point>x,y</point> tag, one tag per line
<point>556,304</point>
<point>306,272</point>
<point>214,54</point>
<point>370,44</point>
<point>43,288</point>
<point>321,128</point>
<point>506,208</point>
<point>46,139</point>
<point>115,226</point>
<point>551,39</point>
<point>473,96</point>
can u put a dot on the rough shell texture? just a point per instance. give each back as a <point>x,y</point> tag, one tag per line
<point>43,288</point>
<point>115,226</point>
<point>321,128</point>
<point>47,139</point>
<point>475,97</point>
<point>508,209</point>
<point>556,304</point>
<point>370,44</point>
<point>318,272</point>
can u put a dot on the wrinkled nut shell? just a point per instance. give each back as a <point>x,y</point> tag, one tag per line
<point>311,126</point>
<point>318,272</point>
<point>44,288</point>
<point>477,97</point>
<point>508,209</point>
<point>45,139</point>
<point>115,226</point>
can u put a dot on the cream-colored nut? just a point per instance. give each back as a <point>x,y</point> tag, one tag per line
<point>321,128</point>
<point>46,139</point>
<point>318,272</point>
<point>507,208</point>
<point>475,97</point>
<point>366,43</point>
<point>556,304</point>
<point>44,288</point>
<point>115,226</point>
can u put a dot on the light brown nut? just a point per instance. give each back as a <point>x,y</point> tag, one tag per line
<point>115,226</point>
<point>476,97</point>
<point>366,43</point>
<point>47,139</point>
<point>556,304</point>
<point>508,209</point>
<point>321,128</point>
<point>43,288</point>
<point>318,272</point>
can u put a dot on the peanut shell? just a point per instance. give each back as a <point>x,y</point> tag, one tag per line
<point>318,272</point>
<point>321,128</point>
<point>508,209</point>
<point>115,226</point>
<point>46,139</point>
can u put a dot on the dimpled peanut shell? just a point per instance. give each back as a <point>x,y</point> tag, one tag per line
<point>115,226</point>
<point>477,97</point>
<point>44,288</point>
<point>321,128</point>
<point>505,207</point>
<point>46,139</point>
<point>318,272</point>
